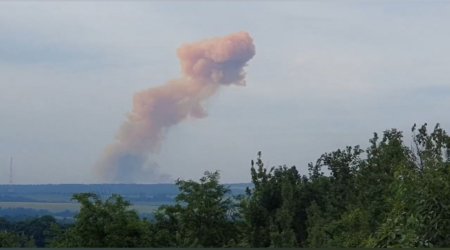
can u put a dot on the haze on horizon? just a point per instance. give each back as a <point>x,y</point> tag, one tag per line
<point>326,75</point>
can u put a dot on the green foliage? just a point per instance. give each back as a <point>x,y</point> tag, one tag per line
<point>38,229</point>
<point>396,197</point>
<point>104,224</point>
<point>10,239</point>
<point>420,215</point>
<point>331,196</point>
<point>273,211</point>
<point>388,195</point>
<point>202,217</point>
<point>377,173</point>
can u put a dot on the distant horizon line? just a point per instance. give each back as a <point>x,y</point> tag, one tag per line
<point>166,183</point>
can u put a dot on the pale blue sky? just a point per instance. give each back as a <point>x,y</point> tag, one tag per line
<point>326,74</point>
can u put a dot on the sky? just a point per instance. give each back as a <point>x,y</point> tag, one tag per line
<point>326,74</point>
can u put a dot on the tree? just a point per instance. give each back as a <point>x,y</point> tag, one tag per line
<point>104,224</point>
<point>39,229</point>
<point>331,197</point>
<point>274,211</point>
<point>203,215</point>
<point>396,197</point>
<point>376,174</point>
<point>420,215</point>
<point>10,239</point>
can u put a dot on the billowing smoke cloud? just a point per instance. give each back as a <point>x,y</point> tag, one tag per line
<point>206,65</point>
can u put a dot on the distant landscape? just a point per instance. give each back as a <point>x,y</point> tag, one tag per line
<point>26,201</point>
<point>388,195</point>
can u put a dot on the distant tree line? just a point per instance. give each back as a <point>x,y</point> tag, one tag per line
<point>388,195</point>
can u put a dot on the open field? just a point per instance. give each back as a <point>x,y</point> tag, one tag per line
<point>55,207</point>
<point>51,207</point>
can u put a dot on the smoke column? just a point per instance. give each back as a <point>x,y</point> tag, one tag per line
<point>206,66</point>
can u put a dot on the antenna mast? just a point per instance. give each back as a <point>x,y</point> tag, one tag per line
<point>11,171</point>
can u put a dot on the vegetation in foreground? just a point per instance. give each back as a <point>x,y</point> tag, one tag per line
<point>389,195</point>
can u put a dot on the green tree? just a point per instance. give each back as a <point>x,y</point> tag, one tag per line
<point>39,229</point>
<point>104,224</point>
<point>331,196</point>
<point>202,217</point>
<point>376,175</point>
<point>165,227</point>
<point>274,210</point>
<point>420,200</point>
<point>11,239</point>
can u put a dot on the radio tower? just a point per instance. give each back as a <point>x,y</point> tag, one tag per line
<point>11,171</point>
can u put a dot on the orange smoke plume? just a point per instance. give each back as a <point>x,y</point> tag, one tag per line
<point>206,65</point>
